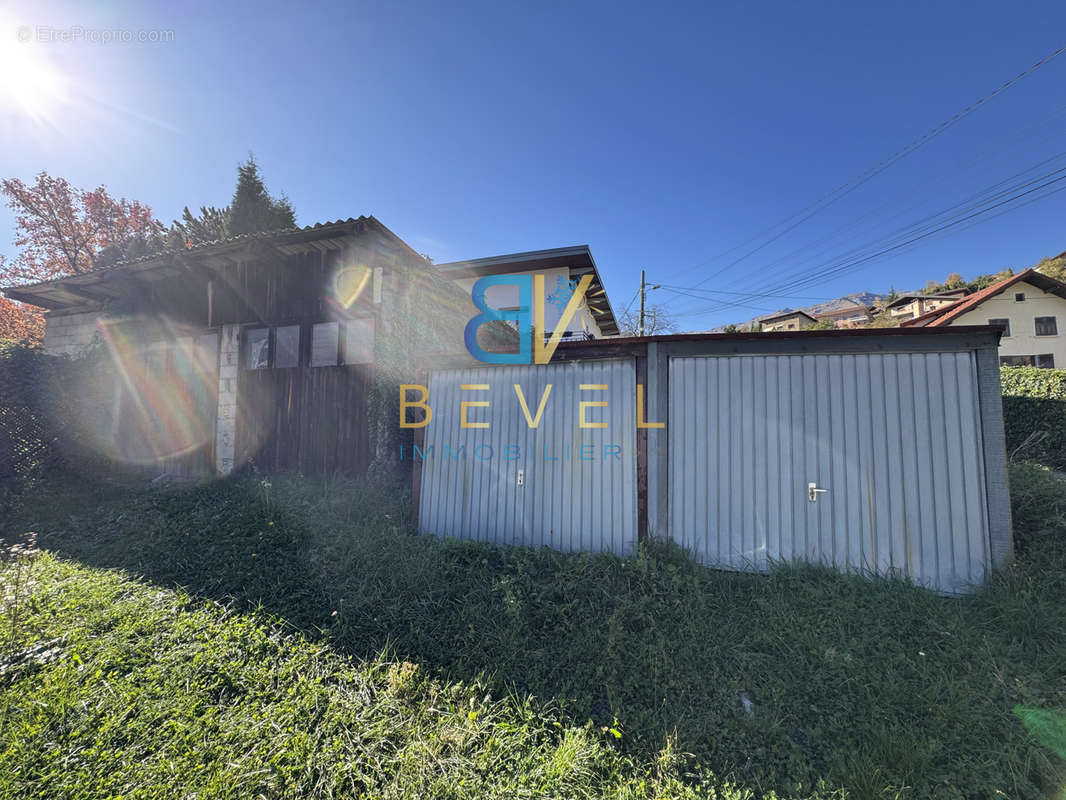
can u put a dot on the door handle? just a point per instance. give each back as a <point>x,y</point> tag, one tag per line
<point>813,491</point>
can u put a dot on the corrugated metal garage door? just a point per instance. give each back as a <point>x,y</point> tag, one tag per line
<point>564,501</point>
<point>895,439</point>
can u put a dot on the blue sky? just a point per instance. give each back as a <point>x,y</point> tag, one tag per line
<point>659,136</point>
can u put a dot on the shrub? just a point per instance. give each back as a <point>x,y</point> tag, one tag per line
<point>1034,403</point>
<point>1038,505</point>
<point>46,405</point>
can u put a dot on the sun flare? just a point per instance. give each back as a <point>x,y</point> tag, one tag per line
<point>29,85</point>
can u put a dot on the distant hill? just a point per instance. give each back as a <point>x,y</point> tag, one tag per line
<point>860,298</point>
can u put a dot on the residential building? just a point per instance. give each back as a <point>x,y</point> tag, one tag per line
<point>787,321</point>
<point>1030,307</point>
<point>854,315</point>
<point>561,269</point>
<point>910,306</point>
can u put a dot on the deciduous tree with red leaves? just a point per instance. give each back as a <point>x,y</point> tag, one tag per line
<point>63,230</point>
<point>19,322</point>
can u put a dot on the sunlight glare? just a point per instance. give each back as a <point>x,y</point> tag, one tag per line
<point>29,85</point>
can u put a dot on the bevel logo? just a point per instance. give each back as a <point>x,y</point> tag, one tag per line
<point>528,317</point>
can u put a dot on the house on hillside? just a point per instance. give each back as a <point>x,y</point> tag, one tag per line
<point>787,321</point>
<point>282,350</point>
<point>909,306</point>
<point>853,315</point>
<point>1029,307</point>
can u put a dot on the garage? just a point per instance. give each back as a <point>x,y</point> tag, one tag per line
<point>865,462</point>
<point>872,451</point>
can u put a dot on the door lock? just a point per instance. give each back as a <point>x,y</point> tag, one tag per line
<point>813,491</point>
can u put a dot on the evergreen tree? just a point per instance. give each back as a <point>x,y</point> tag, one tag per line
<point>210,226</point>
<point>253,209</point>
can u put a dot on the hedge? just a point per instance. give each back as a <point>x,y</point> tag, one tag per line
<point>47,406</point>
<point>1034,403</point>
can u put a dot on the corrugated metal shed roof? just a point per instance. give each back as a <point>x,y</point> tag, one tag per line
<point>73,290</point>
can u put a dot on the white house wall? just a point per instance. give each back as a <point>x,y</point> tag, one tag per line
<point>1023,340</point>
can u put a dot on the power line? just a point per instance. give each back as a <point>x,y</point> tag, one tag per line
<point>1041,125</point>
<point>685,289</point>
<point>977,213</point>
<point>846,188</point>
<point>981,197</point>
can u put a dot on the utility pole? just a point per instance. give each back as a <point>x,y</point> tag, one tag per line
<point>644,289</point>
<point>640,325</point>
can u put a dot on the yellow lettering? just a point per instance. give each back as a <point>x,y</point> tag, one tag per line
<point>465,404</point>
<point>533,422</point>
<point>543,351</point>
<point>406,404</point>
<point>640,411</point>
<point>591,387</point>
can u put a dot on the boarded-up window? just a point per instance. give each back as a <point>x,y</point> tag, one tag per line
<point>359,341</point>
<point>287,346</point>
<point>258,348</point>
<point>324,339</point>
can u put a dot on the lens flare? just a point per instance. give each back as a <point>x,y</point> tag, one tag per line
<point>164,385</point>
<point>349,283</point>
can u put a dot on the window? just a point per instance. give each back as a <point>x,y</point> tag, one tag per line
<point>359,341</point>
<point>287,346</point>
<point>1001,322</point>
<point>257,347</point>
<point>1046,361</point>
<point>1019,297</point>
<point>324,339</point>
<point>1046,326</point>
<point>1016,361</point>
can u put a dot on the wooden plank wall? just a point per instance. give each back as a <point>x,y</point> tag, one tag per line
<point>310,419</point>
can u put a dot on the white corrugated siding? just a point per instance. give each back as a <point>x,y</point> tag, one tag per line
<point>565,503</point>
<point>895,438</point>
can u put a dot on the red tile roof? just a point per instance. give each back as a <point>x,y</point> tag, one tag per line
<point>941,317</point>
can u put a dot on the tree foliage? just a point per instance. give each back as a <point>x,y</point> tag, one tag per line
<point>253,208</point>
<point>823,325</point>
<point>211,225</point>
<point>1054,267</point>
<point>20,322</point>
<point>63,230</point>
<point>956,281</point>
<point>657,321</point>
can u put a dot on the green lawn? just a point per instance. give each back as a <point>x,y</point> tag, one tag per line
<point>285,666</point>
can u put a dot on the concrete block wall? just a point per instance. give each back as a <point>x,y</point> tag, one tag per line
<point>226,424</point>
<point>70,334</point>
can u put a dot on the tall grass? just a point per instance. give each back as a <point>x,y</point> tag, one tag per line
<point>801,682</point>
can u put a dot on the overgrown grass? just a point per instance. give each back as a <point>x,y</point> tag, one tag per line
<point>875,688</point>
